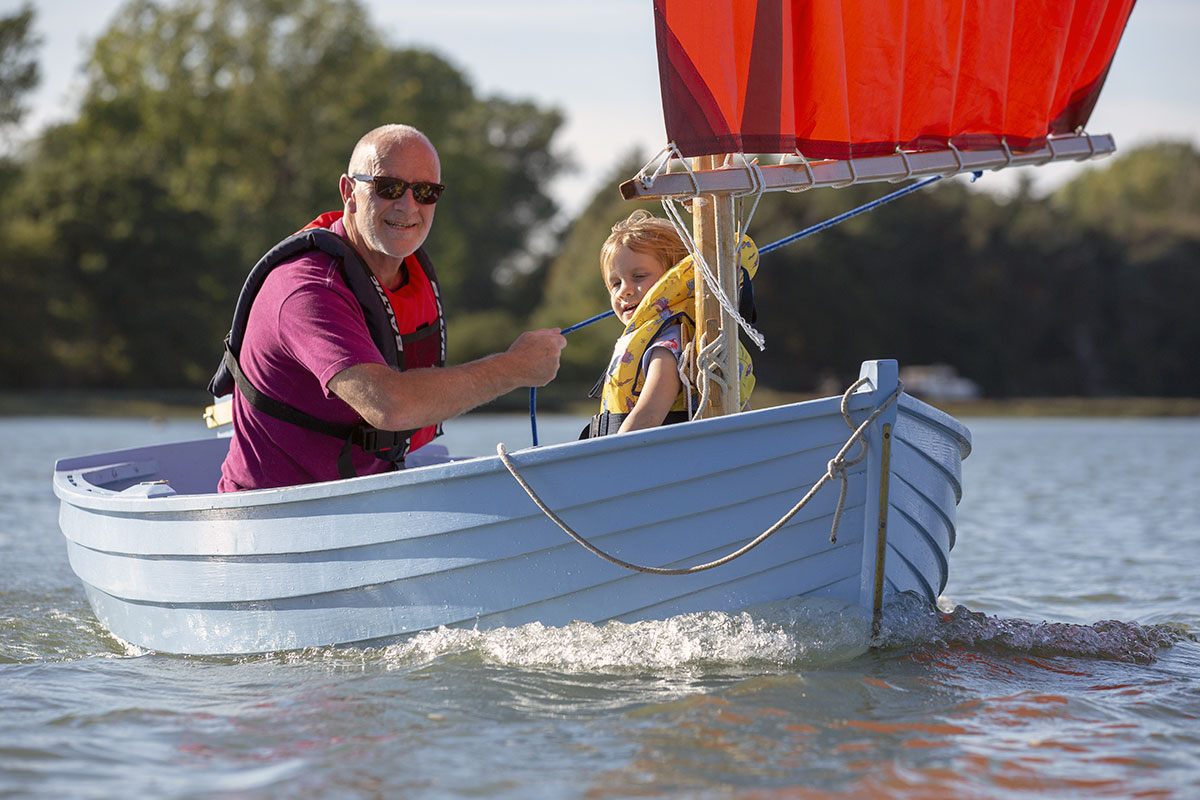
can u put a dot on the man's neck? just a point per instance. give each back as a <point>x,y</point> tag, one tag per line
<point>390,272</point>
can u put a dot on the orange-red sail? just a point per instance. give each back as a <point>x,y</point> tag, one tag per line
<point>863,77</point>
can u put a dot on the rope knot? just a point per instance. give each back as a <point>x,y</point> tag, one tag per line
<point>836,469</point>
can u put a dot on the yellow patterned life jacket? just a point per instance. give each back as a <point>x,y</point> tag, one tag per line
<point>669,302</point>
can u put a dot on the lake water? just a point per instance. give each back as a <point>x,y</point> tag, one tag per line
<point>1068,667</point>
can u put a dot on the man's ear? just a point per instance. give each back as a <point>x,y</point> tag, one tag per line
<point>346,187</point>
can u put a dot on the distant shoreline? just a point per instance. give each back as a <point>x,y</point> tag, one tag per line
<point>186,403</point>
<point>104,403</point>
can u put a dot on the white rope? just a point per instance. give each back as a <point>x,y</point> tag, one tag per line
<point>710,280</point>
<point>835,470</point>
<point>908,170</point>
<point>758,185</point>
<point>812,179</point>
<point>708,361</point>
<point>686,368</point>
<point>663,158</point>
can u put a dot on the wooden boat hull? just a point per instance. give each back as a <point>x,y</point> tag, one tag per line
<point>462,544</point>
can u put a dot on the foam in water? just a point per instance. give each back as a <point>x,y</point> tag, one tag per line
<point>802,630</point>
<point>808,631</point>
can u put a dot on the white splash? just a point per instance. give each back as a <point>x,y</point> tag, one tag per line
<point>801,630</point>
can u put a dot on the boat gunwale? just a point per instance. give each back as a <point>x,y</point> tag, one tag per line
<point>68,471</point>
<point>936,418</point>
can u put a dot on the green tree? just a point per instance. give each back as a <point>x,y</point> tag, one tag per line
<point>18,64</point>
<point>1145,208</point>
<point>20,323</point>
<point>250,108</point>
<point>209,130</point>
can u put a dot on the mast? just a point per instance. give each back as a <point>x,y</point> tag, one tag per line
<point>713,230</point>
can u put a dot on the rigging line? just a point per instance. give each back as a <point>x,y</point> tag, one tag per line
<point>701,268</point>
<point>854,212</point>
<point>795,237</point>
<point>588,321</point>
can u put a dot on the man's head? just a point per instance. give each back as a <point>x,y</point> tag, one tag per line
<point>389,229</point>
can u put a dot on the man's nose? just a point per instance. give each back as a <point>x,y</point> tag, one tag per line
<point>405,202</point>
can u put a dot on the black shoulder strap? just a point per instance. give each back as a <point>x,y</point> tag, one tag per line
<point>607,423</point>
<point>375,305</point>
<point>272,407</point>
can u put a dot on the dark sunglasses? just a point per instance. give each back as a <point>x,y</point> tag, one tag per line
<point>394,188</point>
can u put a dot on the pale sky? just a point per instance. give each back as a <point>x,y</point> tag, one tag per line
<point>595,60</point>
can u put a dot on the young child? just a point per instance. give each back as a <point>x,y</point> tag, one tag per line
<point>651,286</point>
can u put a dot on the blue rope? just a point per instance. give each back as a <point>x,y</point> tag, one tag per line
<point>829,223</point>
<point>795,237</point>
<point>533,389</point>
<point>586,322</point>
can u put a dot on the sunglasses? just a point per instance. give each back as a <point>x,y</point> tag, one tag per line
<point>394,188</point>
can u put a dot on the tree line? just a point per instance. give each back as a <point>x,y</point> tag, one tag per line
<point>210,129</point>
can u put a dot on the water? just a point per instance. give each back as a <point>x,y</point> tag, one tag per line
<point>1061,665</point>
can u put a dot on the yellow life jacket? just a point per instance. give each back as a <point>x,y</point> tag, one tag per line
<point>670,301</point>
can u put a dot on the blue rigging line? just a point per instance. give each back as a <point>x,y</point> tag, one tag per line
<point>854,212</point>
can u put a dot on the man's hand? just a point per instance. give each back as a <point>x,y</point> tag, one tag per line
<point>535,356</point>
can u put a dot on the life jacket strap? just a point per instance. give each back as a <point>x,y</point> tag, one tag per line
<point>385,445</point>
<point>277,409</point>
<point>607,423</point>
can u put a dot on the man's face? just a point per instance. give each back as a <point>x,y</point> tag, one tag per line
<point>394,228</point>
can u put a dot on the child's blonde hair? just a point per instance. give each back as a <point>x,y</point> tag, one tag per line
<point>643,232</point>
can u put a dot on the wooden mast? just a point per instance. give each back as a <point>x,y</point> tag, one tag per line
<point>713,230</point>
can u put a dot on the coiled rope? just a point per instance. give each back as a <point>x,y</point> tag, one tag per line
<point>836,469</point>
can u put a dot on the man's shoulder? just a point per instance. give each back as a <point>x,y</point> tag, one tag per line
<point>312,268</point>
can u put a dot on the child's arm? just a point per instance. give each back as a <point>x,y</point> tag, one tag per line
<point>658,392</point>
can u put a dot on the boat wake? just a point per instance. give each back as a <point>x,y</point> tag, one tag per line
<point>911,622</point>
<point>800,633</point>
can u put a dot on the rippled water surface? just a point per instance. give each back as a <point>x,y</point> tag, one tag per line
<point>1062,663</point>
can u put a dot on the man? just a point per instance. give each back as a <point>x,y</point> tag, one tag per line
<point>340,372</point>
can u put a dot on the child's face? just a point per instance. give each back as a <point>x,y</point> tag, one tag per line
<point>630,276</point>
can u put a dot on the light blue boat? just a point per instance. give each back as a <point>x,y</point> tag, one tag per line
<point>172,566</point>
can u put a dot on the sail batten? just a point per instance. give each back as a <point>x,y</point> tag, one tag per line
<point>839,80</point>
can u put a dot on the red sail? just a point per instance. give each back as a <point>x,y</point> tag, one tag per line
<point>863,77</point>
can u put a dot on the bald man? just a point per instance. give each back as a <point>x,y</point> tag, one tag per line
<point>338,348</point>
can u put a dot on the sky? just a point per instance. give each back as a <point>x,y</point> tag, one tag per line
<point>595,60</point>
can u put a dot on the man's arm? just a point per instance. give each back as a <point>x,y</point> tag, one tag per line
<point>396,401</point>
